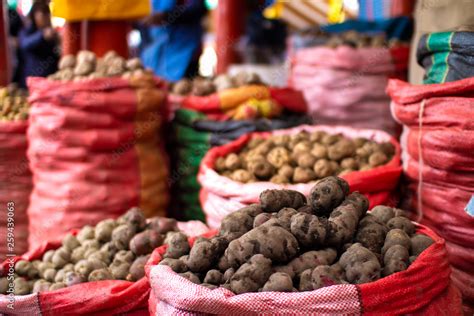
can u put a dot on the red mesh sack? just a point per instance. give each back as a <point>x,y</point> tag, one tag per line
<point>110,297</point>
<point>15,188</point>
<point>437,150</point>
<point>423,289</point>
<point>95,150</point>
<point>220,195</point>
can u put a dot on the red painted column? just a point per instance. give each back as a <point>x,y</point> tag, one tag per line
<point>71,38</point>
<point>230,25</point>
<point>4,47</point>
<point>103,36</point>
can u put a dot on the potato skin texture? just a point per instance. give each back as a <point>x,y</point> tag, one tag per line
<point>278,282</point>
<point>360,265</point>
<point>252,275</point>
<point>309,230</point>
<point>274,200</point>
<point>327,194</point>
<point>274,242</point>
<point>420,243</point>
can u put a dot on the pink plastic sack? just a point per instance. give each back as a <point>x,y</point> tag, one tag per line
<point>92,298</point>
<point>220,195</point>
<point>346,86</point>
<point>423,289</point>
<point>95,151</point>
<point>437,151</point>
<point>15,188</point>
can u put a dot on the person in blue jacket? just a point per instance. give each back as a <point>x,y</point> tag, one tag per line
<point>174,38</point>
<point>38,45</point>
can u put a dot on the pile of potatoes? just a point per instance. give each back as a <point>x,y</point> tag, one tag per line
<point>86,65</point>
<point>290,243</point>
<point>200,86</point>
<point>360,40</point>
<point>112,250</point>
<point>302,158</point>
<point>13,104</point>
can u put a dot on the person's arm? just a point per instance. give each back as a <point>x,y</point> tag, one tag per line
<point>30,41</point>
<point>186,14</point>
<point>190,13</point>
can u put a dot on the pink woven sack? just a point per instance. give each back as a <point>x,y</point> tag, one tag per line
<point>95,150</point>
<point>15,188</point>
<point>423,289</point>
<point>220,195</point>
<point>346,86</point>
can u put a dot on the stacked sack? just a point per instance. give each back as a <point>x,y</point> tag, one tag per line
<point>344,81</point>
<point>15,176</point>
<point>438,147</point>
<point>234,175</point>
<point>215,112</point>
<point>94,144</point>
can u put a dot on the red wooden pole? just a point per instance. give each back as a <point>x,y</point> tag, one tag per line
<point>103,36</point>
<point>230,22</point>
<point>71,38</point>
<point>5,73</point>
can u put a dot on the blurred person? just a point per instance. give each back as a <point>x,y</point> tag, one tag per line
<point>173,39</point>
<point>15,24</point>
<point>38,44</point>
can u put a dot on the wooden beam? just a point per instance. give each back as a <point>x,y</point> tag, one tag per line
<point>5,71</point>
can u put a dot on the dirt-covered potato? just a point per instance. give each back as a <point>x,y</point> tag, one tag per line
<point>121,236</point>
<point>87,232</point>
<point>67,61</point>
<point>232,162</point>
<point>322,168</point>
<point>135,218</point>
<point>278,282</point>
<point>214,277</point>
<point>309,230</point>
<point>303,175</point>
<point>176,265</point>
<point>238,223</point>
<point>22,267</point>
<point>308,260</point>
<point>100,275</point>
<point>327,194</point>
<point>178,245</point>
<point>402,223</point>
<point>383,213</point>
<point>344,148</point>
<point>251,276</point>
<point>325,275</point>
<point>202,256</point>
<point>420,243</point>
<point>261,169</point>
<point>145,242</point>
<point>395,259</point>
<point>72,278</point>
<point>191,277</point>
<point>21,286</point>
<point>360,265</point>
<point>274,200</point>
<point>278,157</point>
<point>274,242</point>
<point>103,230</point>
<point>396,237</point>
<point>241,175</point>
<point>61,257</point>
